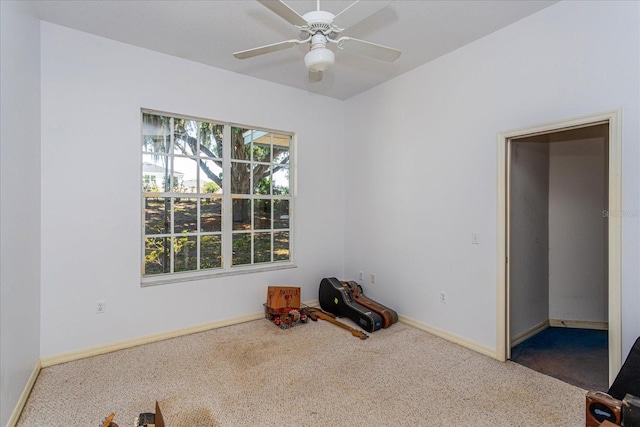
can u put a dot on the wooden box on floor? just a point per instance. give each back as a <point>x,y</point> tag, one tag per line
<point>601,407</point>
<point>148,419</point>
<point>283,299</point>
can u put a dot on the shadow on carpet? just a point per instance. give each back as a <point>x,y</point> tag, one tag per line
<point>575,356</point>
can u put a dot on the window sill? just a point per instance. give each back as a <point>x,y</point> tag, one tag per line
<point>190,277</point>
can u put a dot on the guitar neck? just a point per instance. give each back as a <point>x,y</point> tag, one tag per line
<point>107,421</point>
<point>354,332</point>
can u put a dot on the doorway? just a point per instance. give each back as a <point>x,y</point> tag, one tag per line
<point>540,245</point>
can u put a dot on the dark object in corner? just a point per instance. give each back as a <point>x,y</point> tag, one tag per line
<point>631,411</point>
<point>628,379</point>
<point>389,316</point>
<point>609,406</point>
<point>338,298</point>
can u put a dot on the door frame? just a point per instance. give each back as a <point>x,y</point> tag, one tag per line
<point>613,118</point>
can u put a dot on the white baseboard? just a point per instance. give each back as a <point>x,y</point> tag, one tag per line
<point>471,345</point>
<point>523,336</point>
<point>557,323</point>
<point>15,415</point>
<point>133,342</point>
<point>580,324</point>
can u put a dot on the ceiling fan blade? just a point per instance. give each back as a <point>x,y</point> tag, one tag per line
<point>250,53</point>
<point>315,76</point>
<point>357,11</point>
<point>373,50</point>
<point>281,9</point>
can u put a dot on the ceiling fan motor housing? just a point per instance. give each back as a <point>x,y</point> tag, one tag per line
<point>319,21</point>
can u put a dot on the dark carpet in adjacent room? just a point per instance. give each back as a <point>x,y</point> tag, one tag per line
<point>575,356</point>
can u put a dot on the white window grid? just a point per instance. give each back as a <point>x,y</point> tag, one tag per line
<point>226,233</point>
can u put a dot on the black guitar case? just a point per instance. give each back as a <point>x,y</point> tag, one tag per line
<point>338,299</point>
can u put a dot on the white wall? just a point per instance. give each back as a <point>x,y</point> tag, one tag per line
<point>421,158</point>
<point>92,92</point>
<point>528,236</point>
<point>19,202</point>
<point>577,227</point>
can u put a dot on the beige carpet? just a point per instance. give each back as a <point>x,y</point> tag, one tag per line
<point>255,374</point>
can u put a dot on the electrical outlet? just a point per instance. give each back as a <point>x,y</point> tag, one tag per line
<point>372,278</point>
<point>360,276</point>
<point>475,238</point>
<point>443,297</point>
<point>101,306</point>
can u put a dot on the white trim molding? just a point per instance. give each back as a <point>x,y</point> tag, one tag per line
<point>534,330</point>
<point>578,324</point>
<point>15,415</point>
<point>133,342</point>
<point>464,342</point>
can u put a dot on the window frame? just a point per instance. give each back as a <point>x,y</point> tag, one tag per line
<point>227,232</point>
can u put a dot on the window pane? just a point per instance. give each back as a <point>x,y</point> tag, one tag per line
<point>281,149</point>
<point>262,247</point>
<point>185,137</point>
<point>210,252</point>
<point>185,173</point>
<point>186,255</point>
<point>157,218</point>
<point>155,169</point>
<point>156,132</point>
<point>281,246</point>
<point>157,257</point>
<point>261,146</point>
<point>262,214</point>
<point>211,140</point>
<point>241,249</point>
<point>185,215</point>
<point>171,184</point>
<point>280,214</point>
<point>241,214</point>
<point>240,178</point>
<point>240,143</point>
<point>261,179</point>
<point>210,176</point>
<point>210,215</point>
<point>281,181</point>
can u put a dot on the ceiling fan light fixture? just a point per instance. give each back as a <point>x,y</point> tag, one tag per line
<point>320,27</point>
<point>319,59</point>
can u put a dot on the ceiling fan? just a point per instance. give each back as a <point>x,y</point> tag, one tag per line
<point>319,28</point>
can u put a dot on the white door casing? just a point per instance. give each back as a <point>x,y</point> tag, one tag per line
<point>613,118</point>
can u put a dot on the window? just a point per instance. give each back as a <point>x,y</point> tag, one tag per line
<point>216,198</point>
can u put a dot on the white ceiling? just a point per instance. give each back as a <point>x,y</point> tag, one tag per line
<point>210,31</point>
